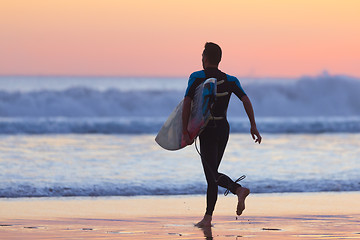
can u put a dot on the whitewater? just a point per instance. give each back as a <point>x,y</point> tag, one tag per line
<point>41,105</point>
<point>94,136</point>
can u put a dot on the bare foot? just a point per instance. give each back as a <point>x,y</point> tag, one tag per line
<point>242,193</point>
<point>207,233</point>
<point>205,222</point>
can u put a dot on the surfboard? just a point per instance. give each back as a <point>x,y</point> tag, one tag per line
<point>170,136</point>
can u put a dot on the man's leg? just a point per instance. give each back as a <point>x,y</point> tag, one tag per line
<point>208,149</point>
<point>223,137</point>
<point>223,180</point>
<point>213,142</point>
<point>209,152</point>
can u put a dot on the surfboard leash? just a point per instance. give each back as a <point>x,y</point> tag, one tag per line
<point>236,181</point>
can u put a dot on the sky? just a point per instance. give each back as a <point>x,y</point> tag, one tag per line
<point>267,38</point>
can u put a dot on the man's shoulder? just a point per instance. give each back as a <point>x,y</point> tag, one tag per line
<point>234,82</point>
<point>198,74</point>
<point>231,78</point>
<point>194,80</point>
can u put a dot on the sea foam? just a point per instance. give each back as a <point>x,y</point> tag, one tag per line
<point>307,97</point>
<point>310,104</point>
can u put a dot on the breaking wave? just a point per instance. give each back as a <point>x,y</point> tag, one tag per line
<point>310,104</point>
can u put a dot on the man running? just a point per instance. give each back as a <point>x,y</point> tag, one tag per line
<point>214,137</point>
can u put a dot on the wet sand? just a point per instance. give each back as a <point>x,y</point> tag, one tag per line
<point>267,216</point>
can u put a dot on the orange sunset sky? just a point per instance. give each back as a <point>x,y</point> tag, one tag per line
<point>267,38</point>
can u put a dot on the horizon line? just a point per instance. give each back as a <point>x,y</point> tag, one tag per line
<point>323,73</point>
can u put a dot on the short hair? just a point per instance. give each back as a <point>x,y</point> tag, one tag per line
<point>213,53</point>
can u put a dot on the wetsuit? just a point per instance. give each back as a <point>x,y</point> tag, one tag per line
<point>214,137</point>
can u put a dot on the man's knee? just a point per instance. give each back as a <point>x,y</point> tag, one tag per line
<point>212,183</point>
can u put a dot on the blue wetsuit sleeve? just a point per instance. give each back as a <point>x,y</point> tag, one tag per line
<point>236,86</point>
<point>194,81</point>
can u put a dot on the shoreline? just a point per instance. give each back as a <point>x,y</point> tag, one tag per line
<point>325,215</point>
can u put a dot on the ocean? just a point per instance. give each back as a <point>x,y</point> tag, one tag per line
<point>94,136</point>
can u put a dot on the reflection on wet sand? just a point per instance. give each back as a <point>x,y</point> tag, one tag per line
<point>268,216</point>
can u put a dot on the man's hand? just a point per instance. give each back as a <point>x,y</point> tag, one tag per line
<point>254,132</point>
<point>186,138</point>
<point>250,112</point>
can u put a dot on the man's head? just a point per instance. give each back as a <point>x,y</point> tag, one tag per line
<point>211,55</point>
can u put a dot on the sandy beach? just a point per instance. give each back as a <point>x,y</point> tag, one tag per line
<point>267,216</point>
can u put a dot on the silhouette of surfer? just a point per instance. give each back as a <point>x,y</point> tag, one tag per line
<point>214,137</point>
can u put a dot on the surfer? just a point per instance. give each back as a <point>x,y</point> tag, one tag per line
<point>214,137</point>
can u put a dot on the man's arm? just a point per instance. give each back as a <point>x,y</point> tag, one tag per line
<point>185,119</point>
<point>250,112</point>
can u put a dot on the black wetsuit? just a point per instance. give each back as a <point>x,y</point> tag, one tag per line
<point>214,137</point>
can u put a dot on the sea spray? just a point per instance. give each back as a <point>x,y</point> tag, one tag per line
<point>320,96</point>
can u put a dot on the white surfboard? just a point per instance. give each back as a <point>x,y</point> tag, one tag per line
<point>170,135</point>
